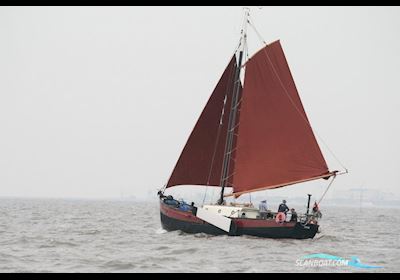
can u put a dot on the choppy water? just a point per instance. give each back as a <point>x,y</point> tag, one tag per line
<point>119,236</point>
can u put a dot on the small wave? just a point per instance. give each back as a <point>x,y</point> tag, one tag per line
<point>203,235</point>
<point>161,231</point>
<point>130,231</point>
<point>148,225</point>
<point>119,265</point>
<point>245,236</point>
<point>55,243</point>
<point>161,259</point>
<point>111,241</point>
<point>328,237</point>
<point>161,248</point>
<point>319,237</point>
<point>89,232</point>
<point>183,251</point>
<point>45,246</point>
<point>180,233</point>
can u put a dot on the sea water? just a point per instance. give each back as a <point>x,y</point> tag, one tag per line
<point>53,235</point>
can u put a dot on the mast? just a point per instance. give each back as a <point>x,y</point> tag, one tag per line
<point>233,112</point>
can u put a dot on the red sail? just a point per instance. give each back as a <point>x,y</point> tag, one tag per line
<point>276,145</point>
<point>201,160</point>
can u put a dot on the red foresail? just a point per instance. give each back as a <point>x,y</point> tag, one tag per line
<point>201,160</point>
<point>275,145</point>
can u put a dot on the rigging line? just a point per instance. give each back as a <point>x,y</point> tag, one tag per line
<point>233,128</point>
<point>234,161</point>
<point>238,46</point>
<point>256,31</point>
<point>243,41</point>
<point>218,133</point>
<point>247,47</point>
<point>291,100</point>
<point>235,51</point>
<point>330,184</point>
<point>238,103</point>
<point>233,112</point>
<point>227,177</point>
<point>246,54</point>
<point>212,160</point>
<point>212,196</point>
<point>163,188</point>
<point>232,121</point>
<point>230,184</point>
<point>231,151</point>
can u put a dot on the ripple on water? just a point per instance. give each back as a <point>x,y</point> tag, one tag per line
<point>59,243</point>
<point>89,232</point>
<point>83,236</point>
<point>183,251</point>
<point>161,248</point>
<point>118,265</point>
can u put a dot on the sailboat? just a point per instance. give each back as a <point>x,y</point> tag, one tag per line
<point>251,136</point>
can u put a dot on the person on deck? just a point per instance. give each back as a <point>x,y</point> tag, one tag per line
<point>315,208</point>
<point>262,207</point>
<point>315,211</point>
<point>283,207</point>
<point>161,194</point>
<point>294,215</point>
<point>184,207</point>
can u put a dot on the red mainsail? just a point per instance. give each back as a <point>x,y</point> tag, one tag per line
<point>275,145</point>
<point>200,162</point>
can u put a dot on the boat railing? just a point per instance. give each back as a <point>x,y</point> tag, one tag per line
<point>237,204</point>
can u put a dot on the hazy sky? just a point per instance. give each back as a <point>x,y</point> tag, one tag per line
<point>99,101</point>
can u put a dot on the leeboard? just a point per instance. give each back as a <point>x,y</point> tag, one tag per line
<point>217,220</point>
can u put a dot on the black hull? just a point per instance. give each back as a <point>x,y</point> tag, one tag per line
<point>296,232</point>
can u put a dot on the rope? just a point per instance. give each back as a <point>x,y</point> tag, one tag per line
<point>246,47</point>
<point>212,196</point>
<point>308,218</point>
<point>255,30</point>
<point>163,188</point>
<point>213,157</point>
<point>330,184</point>
<point>218,133</point>
<point>291,100</point>
<point>246,55</point>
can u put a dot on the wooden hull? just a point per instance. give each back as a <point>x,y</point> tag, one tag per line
<point>174,219</point>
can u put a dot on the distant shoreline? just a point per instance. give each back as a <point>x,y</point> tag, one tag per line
<point>381,204</point>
